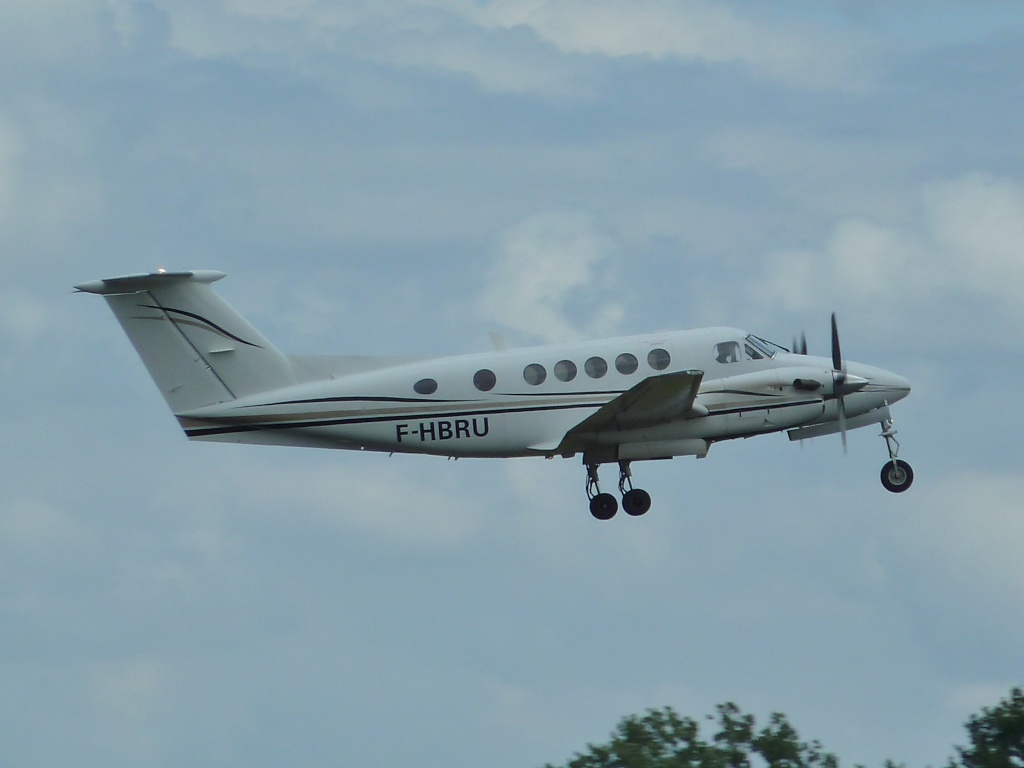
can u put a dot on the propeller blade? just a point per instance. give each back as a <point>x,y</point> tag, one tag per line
<point>803,343</point>
<point>839,379</point>
<point>837,355</point>
<point>842,421</point>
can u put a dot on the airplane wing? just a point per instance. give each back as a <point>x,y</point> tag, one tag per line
<point>654,400</point>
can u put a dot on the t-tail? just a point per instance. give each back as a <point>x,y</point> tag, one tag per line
<point>198,349</point>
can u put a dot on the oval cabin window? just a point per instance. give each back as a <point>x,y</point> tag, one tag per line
<point>565,370</point>
<point>659,359</point>
<point>534,374</point>
<point>596,367</point>
<point>484,380</point>
<point>425,387</point>
<point>626,363</point>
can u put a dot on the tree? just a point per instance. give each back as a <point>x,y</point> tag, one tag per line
<point>997,736</point>
<point>663,739</point>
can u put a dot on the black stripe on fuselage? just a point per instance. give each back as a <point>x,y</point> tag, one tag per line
<point>194,431</point>
<point>364,398</point>
<point>351,420</point>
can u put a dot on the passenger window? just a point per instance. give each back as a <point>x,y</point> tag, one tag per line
<point>534,374</point>
<point>565,370</point>
<point>727,352</point>
<point>484,380</point>
<point>626,363</point>
<point>659,359</point>
<point>596,367</point>
<point>425,387</point>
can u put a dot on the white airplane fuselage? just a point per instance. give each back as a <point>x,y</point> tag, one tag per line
<point>379,410</point>
<point>633,398</point>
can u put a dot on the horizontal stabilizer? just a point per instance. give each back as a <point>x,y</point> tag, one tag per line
<point>144,282</point>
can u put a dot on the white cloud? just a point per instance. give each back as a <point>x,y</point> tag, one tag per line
<point>956,565</point>
<point>385,501</point>
<point>961,245</point>
<point>712,33</point>
<point>973,525</point>
<point>520,45</point>
<point>542,264</point>
<point>977,224</point>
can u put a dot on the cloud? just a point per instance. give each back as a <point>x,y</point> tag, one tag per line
<point>799,55</point>
<point>961,244</point>
<point>538,46</point>
<point>955,567</point>
<point>968,528</point>
<point>542,264</point>
<point>309,36</point>
<point>380,500</point>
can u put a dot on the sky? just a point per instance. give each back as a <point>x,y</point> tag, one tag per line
<point>407,177</point>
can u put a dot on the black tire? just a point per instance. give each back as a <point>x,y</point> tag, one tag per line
<point>604,506</point>
<point>636,502</point>
<point>897,476</point>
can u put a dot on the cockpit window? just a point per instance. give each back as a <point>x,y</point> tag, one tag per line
<point>757,349</point>
<point>727,352</point>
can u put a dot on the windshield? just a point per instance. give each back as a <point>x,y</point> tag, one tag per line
<point>758,348</point>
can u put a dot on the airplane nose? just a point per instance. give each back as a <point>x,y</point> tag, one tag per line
<point>892,385</point>
<point>896,385</point>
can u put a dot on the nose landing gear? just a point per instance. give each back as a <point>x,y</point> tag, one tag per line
<point>897,475</point>
<point>603,506</point>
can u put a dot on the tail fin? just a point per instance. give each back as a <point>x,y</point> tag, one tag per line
<point>198,349</point>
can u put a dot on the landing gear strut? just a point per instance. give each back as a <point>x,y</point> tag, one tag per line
<point>603,506</point>
<point>897,474</point>
<point>635,501</point>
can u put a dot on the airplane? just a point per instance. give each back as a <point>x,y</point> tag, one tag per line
<point>619,400</point>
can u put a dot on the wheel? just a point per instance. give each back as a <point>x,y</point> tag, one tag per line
<point>604,506</point>
<point>636,502</point>
<point>897,476</point>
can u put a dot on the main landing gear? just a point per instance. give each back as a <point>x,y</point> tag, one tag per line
<point>603,506</point>
<point>897,474</point>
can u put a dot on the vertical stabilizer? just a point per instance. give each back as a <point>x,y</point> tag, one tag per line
<point>198,349</point>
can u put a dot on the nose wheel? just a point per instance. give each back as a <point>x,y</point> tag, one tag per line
<point>897,475</point>
<point>603,506</point>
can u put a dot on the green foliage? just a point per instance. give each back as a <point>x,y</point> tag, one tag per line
<point>663,739</point>
<point>997,736</point>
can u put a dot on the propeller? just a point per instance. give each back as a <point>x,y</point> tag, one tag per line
<point>843,383</point>
<point>800,346</point>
